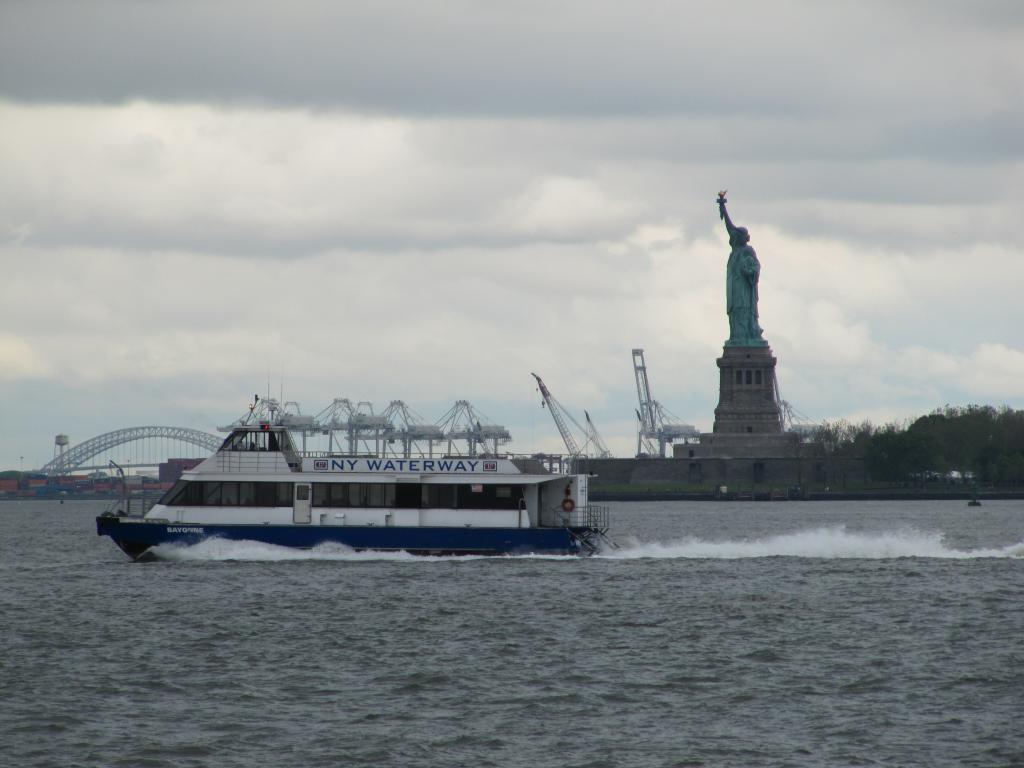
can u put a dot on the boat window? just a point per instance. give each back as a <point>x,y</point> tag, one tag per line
<point>256,440</point>
<point>321,494</point>
<point>185,494</point>
<point>302,493</point>
<point>229,494</point>
<point>489,496</point>
<point>217,494</point>
<point>333,495</point>
<point>438,496</point>
<point>247,494</point>
<point>374,495</point>
<point>211,494</point>
<point>265,494</point>
<point>380,495</point>
<point>239,441</point>
<point>174,493</point>
<point>284,494</point>
<point>355,495</point>
<point>339,495</point>
<point>407,495</point>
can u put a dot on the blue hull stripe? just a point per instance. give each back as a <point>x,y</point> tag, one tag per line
<point>135,537</point>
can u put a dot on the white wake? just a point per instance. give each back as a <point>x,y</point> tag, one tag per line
<point>224,550</point>
<point>826,543</point>
<point>220,550</point>
<point>823,543</point>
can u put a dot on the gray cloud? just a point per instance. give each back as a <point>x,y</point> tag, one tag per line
<point>197,197</point>
<point>533,58</point>
<point>235,181</point>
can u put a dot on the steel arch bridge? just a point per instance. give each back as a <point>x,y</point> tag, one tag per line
<point>78,456</point>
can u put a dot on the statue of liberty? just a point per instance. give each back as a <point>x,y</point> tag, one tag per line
<point>741,276</point>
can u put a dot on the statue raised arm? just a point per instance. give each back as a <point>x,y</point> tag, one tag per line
<point>723,213</point>
<point>742,273</point>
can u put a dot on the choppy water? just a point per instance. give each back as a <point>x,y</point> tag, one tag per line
<point>750,634</point>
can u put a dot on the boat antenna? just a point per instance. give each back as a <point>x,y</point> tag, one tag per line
<point>252,407</point>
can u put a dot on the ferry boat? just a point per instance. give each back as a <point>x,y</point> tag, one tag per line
<point>257,487</point>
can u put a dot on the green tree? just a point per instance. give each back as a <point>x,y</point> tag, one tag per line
<point>883,458</point>
<point>895,454</point>
<point>977,438</point>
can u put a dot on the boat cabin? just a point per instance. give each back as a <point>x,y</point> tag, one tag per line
<point>261,437</point>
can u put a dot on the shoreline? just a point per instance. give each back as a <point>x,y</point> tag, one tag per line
<point>600,496</point>
<point>626,496</point>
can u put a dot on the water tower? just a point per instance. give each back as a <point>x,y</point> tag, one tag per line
<point>60,445</point>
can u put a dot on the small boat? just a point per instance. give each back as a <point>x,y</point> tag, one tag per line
<point>257,487</point>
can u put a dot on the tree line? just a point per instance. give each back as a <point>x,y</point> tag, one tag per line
<point>976,442</point>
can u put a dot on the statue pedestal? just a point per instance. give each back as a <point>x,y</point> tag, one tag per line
<point>748,445</point>
<point>746,393</point>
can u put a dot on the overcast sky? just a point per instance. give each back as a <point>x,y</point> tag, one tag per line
<point>427,201</point>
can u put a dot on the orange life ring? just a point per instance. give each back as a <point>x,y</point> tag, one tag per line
<point>568,505</point>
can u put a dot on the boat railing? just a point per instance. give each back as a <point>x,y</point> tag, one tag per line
<point>251,462</point>
<point>590,516</point>
<point>135,504</point>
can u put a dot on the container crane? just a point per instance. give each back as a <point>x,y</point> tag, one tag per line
<point>656,423</point>
<point>358,421</point>
<point>464,422</point>
<point>790,418</point>
<point>410,429</point>
<point>560,416</point>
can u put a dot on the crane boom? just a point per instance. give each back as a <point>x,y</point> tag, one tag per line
<point>655,422</point>
<point>594,437</point>
<point>558,414</point>
<point>643,390</point>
